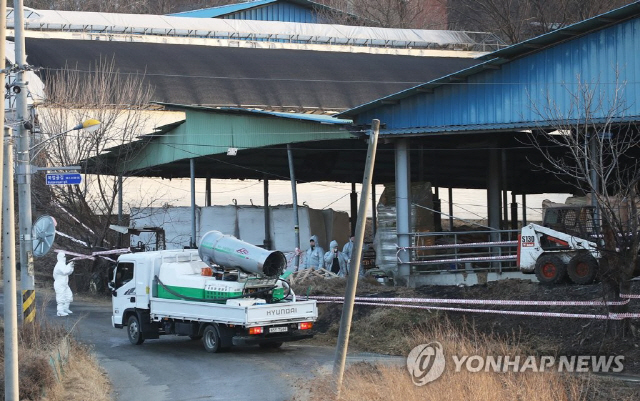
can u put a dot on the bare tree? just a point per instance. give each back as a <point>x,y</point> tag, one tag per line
<point>518,20</point>
<point>592,148</point>
<point>415,14</point>
<point>119,101</point>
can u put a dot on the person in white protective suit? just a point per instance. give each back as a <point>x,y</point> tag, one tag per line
<point>335,261</point>
<point>313,256</point>
<point>348,247</point>
<point>61,273</point>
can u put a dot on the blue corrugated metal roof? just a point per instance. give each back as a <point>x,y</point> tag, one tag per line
<point>530,90</point>
<point>322,119</point>
<point>214,12</point>
<point>471,128</point>
<point>503,56</point>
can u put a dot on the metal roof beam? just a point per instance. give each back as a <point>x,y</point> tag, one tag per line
<point>568,32</point>
<point>424,90</point>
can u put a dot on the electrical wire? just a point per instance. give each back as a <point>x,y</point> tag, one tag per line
<point>253,169</point>
<point>143,74</point>
<point>454,217</point>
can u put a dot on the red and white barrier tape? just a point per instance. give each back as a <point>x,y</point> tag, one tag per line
<point>609,316</point>
<point>100,254</point>
<point>71,238</point>
<point>78,256</point>
<point>78,221</point>
<point>463,245</point>
<point>112,251</point>
<point>296,252</point>
<point>482,301</point>
<point>74,218</point>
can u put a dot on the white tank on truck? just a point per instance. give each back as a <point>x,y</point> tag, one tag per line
<point>227,292</point>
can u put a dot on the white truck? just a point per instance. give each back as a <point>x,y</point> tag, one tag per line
<point>226,293</point>
<point>563,246</point>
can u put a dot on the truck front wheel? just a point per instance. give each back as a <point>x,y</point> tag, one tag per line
<point>582,268</point>
<point>550,269</point>
<point>134,330</point>
<point>211,339</point>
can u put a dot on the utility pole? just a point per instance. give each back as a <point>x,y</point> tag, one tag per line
<point>23,173</point>
<point>11,383</point>
<point>11,386</point>
<point>356,258</point>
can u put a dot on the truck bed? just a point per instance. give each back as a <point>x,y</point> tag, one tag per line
<point>248,316</point>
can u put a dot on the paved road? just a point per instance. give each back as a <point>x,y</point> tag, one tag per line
<point>176,368</point>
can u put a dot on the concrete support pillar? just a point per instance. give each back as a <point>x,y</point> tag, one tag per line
<point>403,206</point>
<point>207,190</point>
<point>354,208</point>
<point>503,181</point>
<point>437,206</point>
<point>450,209</point>
<point>267,217</point>
<point>374,210</point>
<point>514,212</point>
<point>120,213</point>
<point>493,189</point>
<point>192,168</point>
<point>493,200</point>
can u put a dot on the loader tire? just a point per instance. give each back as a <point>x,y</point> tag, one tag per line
<point>550,270</point>
<point>582,269</point>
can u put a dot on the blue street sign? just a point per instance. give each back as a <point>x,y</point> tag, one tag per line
<point>64,179</point>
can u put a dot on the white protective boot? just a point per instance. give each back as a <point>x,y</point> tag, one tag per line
<point>66,309</point>
<point>61,311</point>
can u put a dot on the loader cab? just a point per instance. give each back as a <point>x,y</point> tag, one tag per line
<point>577,221</point>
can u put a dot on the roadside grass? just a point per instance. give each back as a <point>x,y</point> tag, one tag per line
<point>82,377</point>
<point>386,382</point>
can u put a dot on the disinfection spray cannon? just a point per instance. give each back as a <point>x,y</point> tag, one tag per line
<point>230,253</point>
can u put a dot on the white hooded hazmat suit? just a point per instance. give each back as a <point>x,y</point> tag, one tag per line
<point>313,256</point>
<point>61,273</point>
<point>342,259</point>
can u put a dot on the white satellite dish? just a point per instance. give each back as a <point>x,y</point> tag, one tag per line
<point>44,233</point>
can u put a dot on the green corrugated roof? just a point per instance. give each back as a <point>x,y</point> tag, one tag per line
<point>209,131</point>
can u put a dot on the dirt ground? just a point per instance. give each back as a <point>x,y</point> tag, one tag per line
<point>384,330</point>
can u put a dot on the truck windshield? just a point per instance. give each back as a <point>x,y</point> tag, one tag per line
<point>124,273</point>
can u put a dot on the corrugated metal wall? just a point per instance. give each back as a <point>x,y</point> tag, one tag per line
<point>533,88</point>
<point>284,12</point>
